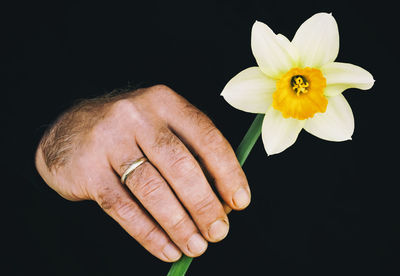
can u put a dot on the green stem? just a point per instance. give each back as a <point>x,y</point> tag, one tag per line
<point>180,267</point>
<point>249,139</point>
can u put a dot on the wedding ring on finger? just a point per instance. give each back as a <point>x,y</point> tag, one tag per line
<point>131,168</point>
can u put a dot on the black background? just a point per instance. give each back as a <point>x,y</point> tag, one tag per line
<point>319,208</point>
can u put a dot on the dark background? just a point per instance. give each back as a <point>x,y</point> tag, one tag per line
<point>319,208</point>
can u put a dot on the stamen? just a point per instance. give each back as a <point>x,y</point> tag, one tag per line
<point>300,93</point>
<point>299,84</point>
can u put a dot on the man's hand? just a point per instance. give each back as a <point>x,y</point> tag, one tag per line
<point>168,204</point>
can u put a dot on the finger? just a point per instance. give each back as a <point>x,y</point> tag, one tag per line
<point>181,170</point>
<point>116,202</point>
<point>226,207</point>
<point>153,192</point>
<point>215,153</point>
<point>148,186</point>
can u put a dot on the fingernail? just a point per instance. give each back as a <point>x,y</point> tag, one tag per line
<point>241,198</point>
<point>197,244</point>
<point>171,252</point>
<point>218,230</point>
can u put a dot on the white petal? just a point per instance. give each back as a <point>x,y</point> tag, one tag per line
<point>317,40</point>
<point>279,133</point>
<point>290,49</point>
<point>271,56</point>
<point>336,124</point>
<point>341,76</point>
<point>250,90</point>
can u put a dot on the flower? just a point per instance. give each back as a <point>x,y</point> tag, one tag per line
<point>297,84</point>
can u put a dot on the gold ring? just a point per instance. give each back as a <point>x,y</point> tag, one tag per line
<point>131,168</point>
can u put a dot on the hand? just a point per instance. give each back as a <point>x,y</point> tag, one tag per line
<point>168,205</point>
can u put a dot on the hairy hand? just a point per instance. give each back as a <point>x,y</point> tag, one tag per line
<point>168,203</point>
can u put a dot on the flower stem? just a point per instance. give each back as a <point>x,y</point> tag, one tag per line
<point>249,139</point>
<point>180,267</point>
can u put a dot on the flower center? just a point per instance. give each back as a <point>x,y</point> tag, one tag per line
<point>299,93</point>
<point>299,84</point>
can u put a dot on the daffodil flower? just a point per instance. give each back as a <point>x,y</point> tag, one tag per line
<point>298,84</point>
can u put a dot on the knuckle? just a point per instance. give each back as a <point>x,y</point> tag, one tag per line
<point>195,114</point>
<point>184,165</point>
<point>127,211</point>
<point>123,110</point>
<point>235,171</point>
<point>204,205</point>
<point>160,87</point>
<point>111,202</point>
<point>212,136</point>
<point>161,90</point>
<point>166,139</point>
<point>149,235</point>
<point>123,105</point>
<point>179,223</point>
<point>149,187</point>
